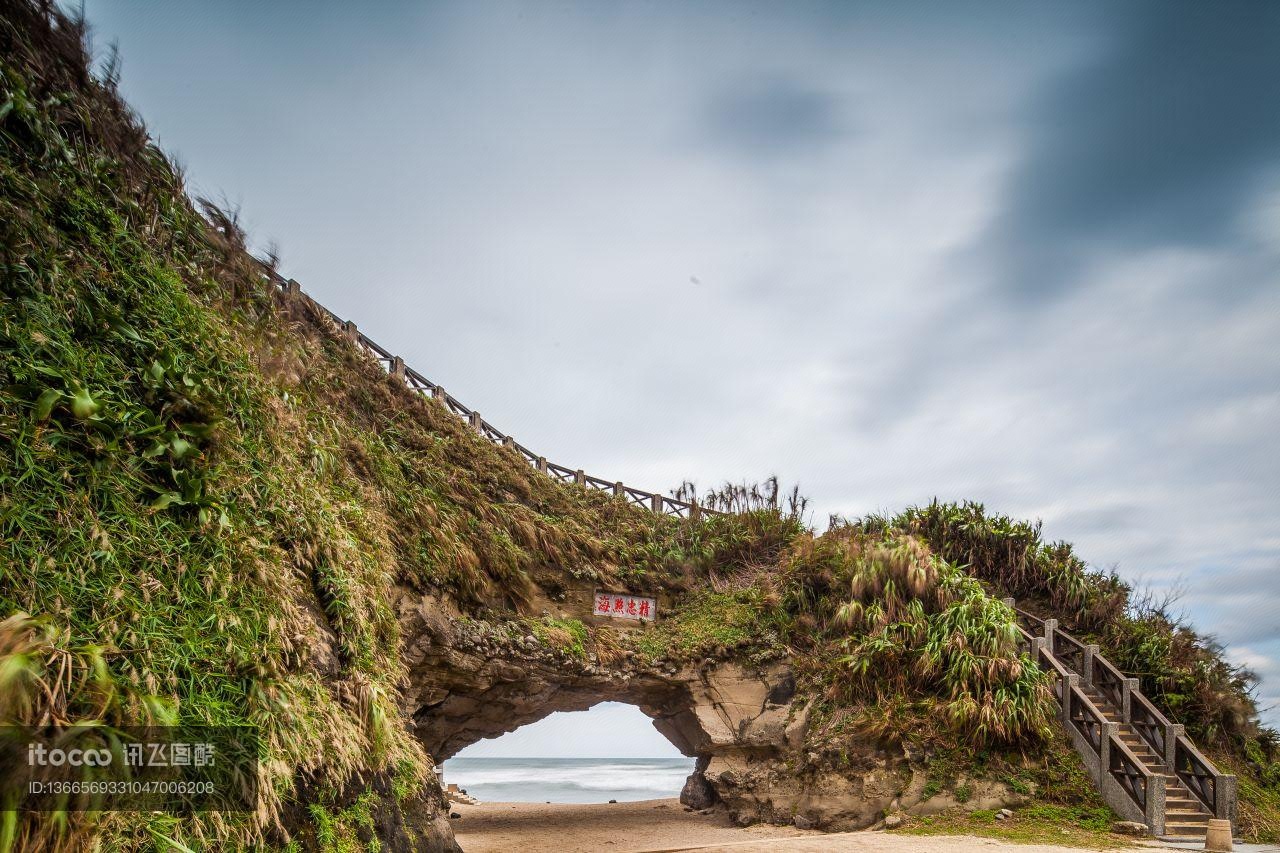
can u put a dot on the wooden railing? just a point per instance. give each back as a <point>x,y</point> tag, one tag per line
<point>1057,671</point>
<point>1069,650</point>
<point>1196,773</point>
<point>1108,680</point>
<point>1132,776</point>
<point>1033,624</point>
<point>1086,718</point>
<point>415,381</point>
<point>1148,722</point>
<point>1072,665</point>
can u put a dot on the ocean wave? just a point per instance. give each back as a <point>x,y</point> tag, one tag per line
<point>570,780</point>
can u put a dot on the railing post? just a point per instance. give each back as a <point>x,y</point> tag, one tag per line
<point>656,504</point>
<point>693,510</point>
<point>477,422</point>
<point>1011,603</point>
<point>618,489</point>
<point>541,464</point>
<point>508,441</point>
<point>1224,796</point>
<point>1106,730</point>
<point>1037,643</point>
<point>1171,734</point>
<point>1071,680</point>
<point>438,393</point>
<point>349,329</point>
<point>1050,625</point>
<point>580,477</point>
<point>1156,804</point>
<point>1089,652</point>
<point>1128,688</point>
<point>397,367</point>
<point>292,288</point>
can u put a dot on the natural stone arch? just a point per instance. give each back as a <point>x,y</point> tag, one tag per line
<point>745,724</point>
<point>469,680</point>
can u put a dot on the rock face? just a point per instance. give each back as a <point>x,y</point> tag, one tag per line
<point>697,792</point>
<point>746,725</point>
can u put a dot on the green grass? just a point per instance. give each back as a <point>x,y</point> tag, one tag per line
<point>912,639</point>
<point>1087,828</point>
<point>568,635</point>
<point>705,623</point>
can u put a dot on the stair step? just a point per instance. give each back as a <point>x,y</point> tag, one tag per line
<point>1186,816</point>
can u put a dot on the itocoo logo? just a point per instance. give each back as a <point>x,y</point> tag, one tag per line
<point>38,755</point>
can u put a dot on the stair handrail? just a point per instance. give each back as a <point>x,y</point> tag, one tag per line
<point>1108,679</point>
<point>1070,651</point>
<point>1151,725</point>
<point>1199,774</point>
<point>394,365</point>
<point>1090,722</point>
<point>1126,768</point>
<point>1168,740</point>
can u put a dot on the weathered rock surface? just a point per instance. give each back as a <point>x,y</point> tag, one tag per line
<point>697,792</point>
<point>746,724</point>
<point>1129,827</point>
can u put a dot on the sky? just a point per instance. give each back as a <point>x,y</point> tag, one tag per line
<point>1021,253</point>
<point>608,730</point>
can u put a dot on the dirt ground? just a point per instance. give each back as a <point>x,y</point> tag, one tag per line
<point>664,825</point>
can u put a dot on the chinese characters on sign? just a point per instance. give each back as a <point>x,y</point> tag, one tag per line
<point>625,606</point>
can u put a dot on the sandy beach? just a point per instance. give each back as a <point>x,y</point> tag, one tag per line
<point>663,825</point>
<point>617,827</point>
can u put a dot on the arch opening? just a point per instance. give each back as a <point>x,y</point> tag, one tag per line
<point>608,752</point>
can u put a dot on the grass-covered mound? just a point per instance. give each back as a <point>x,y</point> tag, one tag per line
<point>1183,671</point>
<point>893,629</point>
<point>208,499</point>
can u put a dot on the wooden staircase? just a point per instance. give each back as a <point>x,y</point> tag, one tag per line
<point>1185,817</point>
<point>1145,767</point>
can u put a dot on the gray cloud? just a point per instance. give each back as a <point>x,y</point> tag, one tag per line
<point>773,117</point>
<point>1160,142</point>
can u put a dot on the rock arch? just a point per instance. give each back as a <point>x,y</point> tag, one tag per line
<point>472,679</point>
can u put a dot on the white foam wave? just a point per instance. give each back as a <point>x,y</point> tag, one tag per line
<point>500,780</point>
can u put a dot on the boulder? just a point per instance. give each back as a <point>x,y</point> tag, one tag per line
<point>1129,827</point>
<point>697,792</point>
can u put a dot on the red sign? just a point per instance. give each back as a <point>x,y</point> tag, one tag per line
<point>625,606</point>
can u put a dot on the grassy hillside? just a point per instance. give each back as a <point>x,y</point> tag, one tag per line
<point>210,504</point>
<point>208,499</point>
<point>1183,671</point>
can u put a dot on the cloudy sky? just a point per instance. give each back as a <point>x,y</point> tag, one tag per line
<point>1022,253</point>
